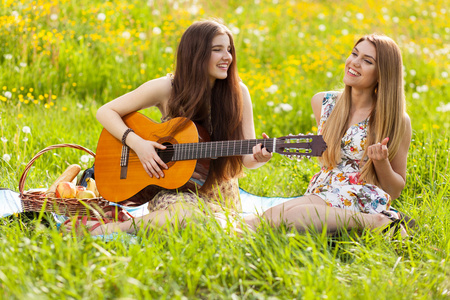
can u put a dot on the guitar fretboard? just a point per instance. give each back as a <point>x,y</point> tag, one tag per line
<point>217,149</point>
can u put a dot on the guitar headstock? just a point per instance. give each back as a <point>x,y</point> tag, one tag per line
<point>299,146</point>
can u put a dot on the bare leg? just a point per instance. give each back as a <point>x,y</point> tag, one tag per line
<point>312,212</point>
<point>176,213</point>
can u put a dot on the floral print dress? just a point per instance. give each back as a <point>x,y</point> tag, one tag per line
<point>341,186</point>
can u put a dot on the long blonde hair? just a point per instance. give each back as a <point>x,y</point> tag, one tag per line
<point>388,113</point>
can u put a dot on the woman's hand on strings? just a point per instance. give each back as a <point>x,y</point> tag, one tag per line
<point>152,163</point>
<point>260,153</point>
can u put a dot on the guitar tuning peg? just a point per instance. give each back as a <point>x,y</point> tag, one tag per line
<point>299,158</point>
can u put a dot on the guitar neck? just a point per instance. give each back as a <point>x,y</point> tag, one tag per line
<point>190,151</point>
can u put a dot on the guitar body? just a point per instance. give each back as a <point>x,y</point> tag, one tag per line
<point>138,187</point>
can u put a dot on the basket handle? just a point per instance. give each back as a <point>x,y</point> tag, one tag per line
<point>30,163</point>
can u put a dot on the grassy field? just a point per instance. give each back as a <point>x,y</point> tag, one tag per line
<point>61,60</point>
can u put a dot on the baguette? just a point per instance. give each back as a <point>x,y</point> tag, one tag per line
<point>68,175</point>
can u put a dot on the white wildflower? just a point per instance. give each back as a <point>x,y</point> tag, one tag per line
<point>143,66</point>
<point>126,35</point>
<point>6,157</point>
<point>322,27</point>
<point>142,35</point>
<point>25,139</point>
<point>101,17</point>
<point>360,16</point>
<point>8,56</point>
<point>321,16</point>
<point>168,50</point>
<point>329,74</point>
<point>444,74</point>
<point>23,64</point>
<point>415,95</point>
<point>8,94</point>
<point>272,89</point>
<point>3,139</point>
<point>235,30</point>
<point>157,30</point>
<point>239,10</point>
<point>26,129</point>
<point>395,19</point>
<point>85,158</point>
<point>293,94</point>
<point>53,17</point>
<point>301,35</point>
<point>412,72</point>
<point>118,59</point>
<point>413,18</point>
<point>270,103</point>
<point>285,106</point>
<point>344,31</point>
<point>444,107</point>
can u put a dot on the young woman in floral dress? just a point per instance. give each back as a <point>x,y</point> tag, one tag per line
<point>368,134</point>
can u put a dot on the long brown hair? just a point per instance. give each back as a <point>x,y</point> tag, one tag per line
<point>218,108</point>
<point>387,116</point>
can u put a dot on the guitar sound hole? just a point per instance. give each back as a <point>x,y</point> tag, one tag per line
<point>166,154</point>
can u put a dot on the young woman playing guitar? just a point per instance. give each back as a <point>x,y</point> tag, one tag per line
<point>206,89</point>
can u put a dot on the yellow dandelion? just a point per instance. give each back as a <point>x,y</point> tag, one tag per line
<point>64,108</point>
<point>435,126</point>
<point>31,90</point>
<point>4,88</point>
<point>53,97</point>
<point>14,90</point>
<point>35,102</point>
<point>19,116</point>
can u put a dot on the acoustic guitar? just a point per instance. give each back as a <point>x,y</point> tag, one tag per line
<point>120,176</point>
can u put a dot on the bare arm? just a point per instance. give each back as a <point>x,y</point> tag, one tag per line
<point>260,155</point>
<point>392,175</point>
<point>152,93</point>
<point>316,104</point>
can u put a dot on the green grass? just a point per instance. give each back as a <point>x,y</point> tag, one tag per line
<point>59,62</point>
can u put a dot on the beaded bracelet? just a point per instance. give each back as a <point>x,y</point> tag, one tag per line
<point>125,134</point>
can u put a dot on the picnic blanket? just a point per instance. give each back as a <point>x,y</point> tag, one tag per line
<point>10,204</point>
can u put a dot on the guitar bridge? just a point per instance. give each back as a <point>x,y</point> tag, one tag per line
<point>124,161</point>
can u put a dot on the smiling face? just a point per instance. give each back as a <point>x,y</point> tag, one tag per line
<point>361,70</point>
<point>220,59</point>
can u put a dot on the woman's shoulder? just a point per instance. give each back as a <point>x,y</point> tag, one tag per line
<point>322,97</point>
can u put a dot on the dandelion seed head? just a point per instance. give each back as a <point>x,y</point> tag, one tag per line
<point>344,31</point>
<point>25,139</point>
<point>239,10</point>
<point>444,74</point>
<point>6,157</point>
<point>168,50</point>
<point>293,94</point>
<point>413,18</point>
<point>272,89</point>
<point>322,27</point>
<point>126,35</point>
<point>101,17</point>
<point>26,129</point>
<point>85,158</point>
<point>156,12</point>
<point>142,35</point>
<point>360,16</point>
<point>329,74</point>
<point>270,103</point>
<point>8,94</point>
<point>157,30</point>
<point>415,95</point>
<point>395,19</point>
<point>412,72</point>
<point>8,56</point>
<point>3,139</point>
<point>285,106</point>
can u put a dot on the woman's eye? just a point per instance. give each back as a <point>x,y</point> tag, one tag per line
<point>368,61</point>
<point>354,54</point>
